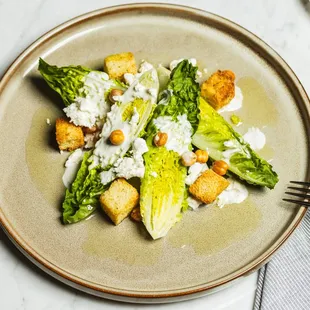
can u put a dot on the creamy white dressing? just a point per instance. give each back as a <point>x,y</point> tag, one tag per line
<point>194,172</point>
<point>179,132</point>
<point>236,192</point>
<point>129,78</point>
<point>91,109</point>
<point>72,166</point>
<point>128,167</point>
<point>143,85</point>
<point>232,148</point>
<point>106,153</point>
<point>139,85</point>
<point>255,137</point>
<point>165,96</point>
<point>175,62</point>
<point>235,104</point>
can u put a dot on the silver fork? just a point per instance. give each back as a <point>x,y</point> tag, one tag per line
<point>304,193</point>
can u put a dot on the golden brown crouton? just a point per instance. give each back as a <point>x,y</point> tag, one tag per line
<point>119,200</point>
<point>69,137</point>
<point>219,88</point>
<point>119,64</point>
<point>208,186</point>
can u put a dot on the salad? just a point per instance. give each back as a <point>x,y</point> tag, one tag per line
<point>160,126</point>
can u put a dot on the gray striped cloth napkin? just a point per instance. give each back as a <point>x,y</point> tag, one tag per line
<point>284,283</point>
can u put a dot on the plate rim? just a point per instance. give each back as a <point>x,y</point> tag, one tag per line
<point>156,297</point>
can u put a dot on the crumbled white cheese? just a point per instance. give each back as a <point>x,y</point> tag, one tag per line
<point>107,176</point>
<point>145,66</point>
<point>71,167</point>
<point>235,104</point>
<point>194,172</point>
<point>141,87</point>
<point>234,193</point>
<point>138,85</point>
<point>256,138</point>
<point>48,121</point>
<point>174,63</point>
<point>128,167</point>
<point>179,132</point>
<point>129,78</point>
<point>86,111</point>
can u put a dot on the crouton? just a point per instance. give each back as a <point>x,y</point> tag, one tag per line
<point>219,89</point>
<point>69,137</point>
<point>208,186</point>
<point>119,200</point>
<point>119,64</point>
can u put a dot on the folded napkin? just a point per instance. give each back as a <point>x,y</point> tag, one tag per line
<point>284,283</point>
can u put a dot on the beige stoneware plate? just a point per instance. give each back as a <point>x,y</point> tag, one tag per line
<point>209,248</point>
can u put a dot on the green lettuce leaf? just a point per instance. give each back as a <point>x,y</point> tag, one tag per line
<point>162,191</point>
<point>121,116</point>
<point>218,137</point>
<point>66,81</point>
<point>82,199</point>
<point>184,94</point>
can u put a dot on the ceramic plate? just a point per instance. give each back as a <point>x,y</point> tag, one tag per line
<point>208,248</point>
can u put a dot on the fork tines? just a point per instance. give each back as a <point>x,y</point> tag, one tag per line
<point>305,193</point>
<point>300,183</point>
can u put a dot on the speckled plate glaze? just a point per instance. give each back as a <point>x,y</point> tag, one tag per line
<point>209,248</point>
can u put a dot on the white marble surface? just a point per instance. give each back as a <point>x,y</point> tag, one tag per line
<point>285,25</point>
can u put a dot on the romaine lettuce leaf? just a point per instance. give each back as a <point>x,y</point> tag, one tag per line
<point>66,81</point>
<point>220,139</point>
<point>131,115</point>
<point>162,191</point>
<point>184,94</point>
<point>82,198</point>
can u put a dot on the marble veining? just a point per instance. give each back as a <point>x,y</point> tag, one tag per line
<point>284,25</point>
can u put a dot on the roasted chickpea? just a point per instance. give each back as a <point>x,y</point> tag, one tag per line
<point>160,139</point>
<point>136,215</point>
<point>115,92</point>
<point>220,167</point>
<point>90,129</point>
<point>202,156</point>
<point>117,137</point>
<point>188,159</point>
